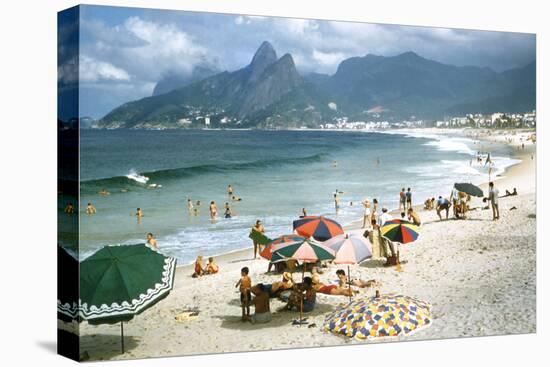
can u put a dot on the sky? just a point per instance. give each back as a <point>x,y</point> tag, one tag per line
<point>124,52</point>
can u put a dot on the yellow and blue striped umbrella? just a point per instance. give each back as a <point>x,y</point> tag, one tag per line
<point>384,316</point>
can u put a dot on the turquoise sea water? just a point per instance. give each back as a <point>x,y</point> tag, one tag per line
<point>276,173</point>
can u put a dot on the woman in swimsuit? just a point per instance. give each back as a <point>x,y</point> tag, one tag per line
<point>213,211</point>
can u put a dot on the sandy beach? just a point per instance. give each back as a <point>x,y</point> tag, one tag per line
<point>478,274</point>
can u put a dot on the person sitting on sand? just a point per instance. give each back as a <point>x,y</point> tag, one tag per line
<point>275,288</point>
<point>413,217</point>
<point>69,209</point>
<point>199,270</point>
<point>151,241</point>
<point>429,204</point>
<point>303,297</point>
<point>104,192</point>
<point>90,209</point>
<point>244,284</point>
<point>508,193</point>
<point>442,204</point>
<point>262,312</point>
<point>211,266</point>
<point>462,205</point>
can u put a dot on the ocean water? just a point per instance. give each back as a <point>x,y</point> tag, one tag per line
<point>276,173</point>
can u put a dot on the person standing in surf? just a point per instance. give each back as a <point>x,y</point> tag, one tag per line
<point>213,211</point>
<point>229,190</point>
<point>189,205</point>
<point>402,200</point>
<point>408,196</point>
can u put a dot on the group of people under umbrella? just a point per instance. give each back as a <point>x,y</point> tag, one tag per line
<point>117,283</point>
<point>317,239</point>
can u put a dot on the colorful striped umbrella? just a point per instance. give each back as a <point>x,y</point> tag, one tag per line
<point>320,228</point>
<point>350,248</point>
<point>306,249</point>
<point>285,239</point>
<point>399,230</point>
<point>383,316</point>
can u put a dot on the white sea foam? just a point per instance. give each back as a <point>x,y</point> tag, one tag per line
<point>133,175</point>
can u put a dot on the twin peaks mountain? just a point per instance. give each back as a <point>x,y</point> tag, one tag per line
<point>270,93</point>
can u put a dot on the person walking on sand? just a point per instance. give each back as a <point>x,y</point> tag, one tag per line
<point>258,227</point>
<point>90,209</point>
<point>213,211</point>
<point>442,204</point>
<point>244,284</point>
<point>408,196</point>
<point>151,241</point>
<point>367,212</point>
<point>493,199</point>
<point>402,200</point>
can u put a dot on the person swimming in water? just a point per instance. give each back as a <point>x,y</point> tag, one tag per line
<point>90,209</point>
<point>151,241</point>
<point>227,214</point>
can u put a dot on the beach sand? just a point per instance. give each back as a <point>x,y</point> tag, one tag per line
<point>478,274</point>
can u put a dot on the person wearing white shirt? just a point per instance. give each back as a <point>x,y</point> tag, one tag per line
<point>384,217</point>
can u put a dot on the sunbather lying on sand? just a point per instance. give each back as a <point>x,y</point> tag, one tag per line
<point>343,281</point>
<point>330,289</point>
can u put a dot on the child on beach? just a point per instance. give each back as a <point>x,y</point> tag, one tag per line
<point>367,213</point>
<point>244,285</point>
<point>198,267</point>
<point>211,266</point>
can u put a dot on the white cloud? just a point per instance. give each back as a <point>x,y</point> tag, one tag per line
<point>328,59</point>
<point>92,70</point>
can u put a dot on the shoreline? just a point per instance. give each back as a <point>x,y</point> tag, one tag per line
<point>471,271</point>
<point>509,177</point>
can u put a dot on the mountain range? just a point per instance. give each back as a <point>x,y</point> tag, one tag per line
<point>270,93</point>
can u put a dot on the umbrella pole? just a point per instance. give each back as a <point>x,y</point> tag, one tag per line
<point>122,336</point>
<point>349,284</point>
<point>301,296</point>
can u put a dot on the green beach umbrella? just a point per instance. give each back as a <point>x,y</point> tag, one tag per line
<point>119,282</point>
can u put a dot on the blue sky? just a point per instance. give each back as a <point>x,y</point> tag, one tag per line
<point>125,51</point>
